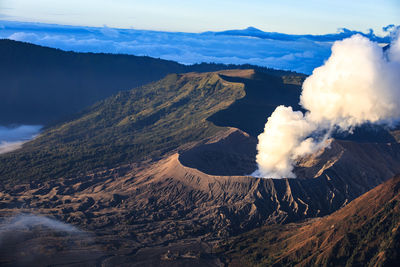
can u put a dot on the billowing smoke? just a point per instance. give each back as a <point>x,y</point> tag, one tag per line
<point>359,83</point>
<point>283,127</point>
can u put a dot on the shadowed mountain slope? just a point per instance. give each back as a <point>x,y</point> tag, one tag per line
<point>41,85</point>
<point>364,233</point>
<point>263,94</point>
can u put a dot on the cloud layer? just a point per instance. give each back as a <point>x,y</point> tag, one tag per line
<point>358,84</point>
<point>34,240</point>
<point>301,53</point>
<point>12,138</point>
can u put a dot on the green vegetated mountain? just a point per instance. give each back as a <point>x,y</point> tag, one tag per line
<point>146,122</point>
<point>131,126</point>
<point>41,85</point>
<point>364,233</point>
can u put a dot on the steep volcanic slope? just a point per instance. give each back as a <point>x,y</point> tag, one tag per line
<point>233,155</point>
<point>364,233</point>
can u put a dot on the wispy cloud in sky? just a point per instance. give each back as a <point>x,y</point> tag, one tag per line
<point>301,53</point>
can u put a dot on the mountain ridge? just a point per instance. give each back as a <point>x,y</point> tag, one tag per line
<point>43,85</point>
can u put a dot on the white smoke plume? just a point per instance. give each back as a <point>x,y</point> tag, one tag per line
<point>283,127</point>
<point>359,83</point>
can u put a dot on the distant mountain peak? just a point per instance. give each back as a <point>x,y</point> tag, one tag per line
<point>253,29</point>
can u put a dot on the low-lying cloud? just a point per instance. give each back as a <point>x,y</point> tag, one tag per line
<point>359,83</point>
<point>301,53</point>
<point>6,147</point>
<point>12,138</point>
<point>27,221</point>
<point>35,240</point>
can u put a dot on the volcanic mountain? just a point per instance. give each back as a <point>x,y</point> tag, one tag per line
<point>159,174</point>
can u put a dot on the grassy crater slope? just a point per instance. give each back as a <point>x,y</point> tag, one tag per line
<point>131,126</point>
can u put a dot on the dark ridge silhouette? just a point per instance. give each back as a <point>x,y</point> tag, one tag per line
<point>41,85</point>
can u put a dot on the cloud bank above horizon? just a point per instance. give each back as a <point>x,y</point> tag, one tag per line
<point>300,53</point>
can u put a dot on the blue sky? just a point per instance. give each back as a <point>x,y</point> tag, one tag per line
<point>288,16</point>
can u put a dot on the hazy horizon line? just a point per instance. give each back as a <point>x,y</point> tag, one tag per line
<point>79,26</point>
